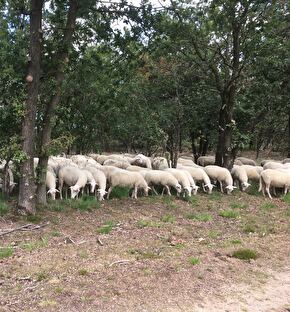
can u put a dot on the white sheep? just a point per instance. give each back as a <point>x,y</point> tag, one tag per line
<point>239,174</point>
<point>159,163</point>
<point>246,161</point>
<point>186,162</point>
<point>194,187</point>
<point>199,175</point>
<point>123,164</point>
<point>274,178</point>
<point>206,160</point>
<point>276,165</point>
<point>264,161</point>
<point>90,179</point>
<point>125,178</point>
<point>222,175</point>
<point>253,172</point>
<point>136,168</point>
<point>286,160</point>
<point>182,179</point>
<point>142,161</point>
<point>51,183</point>
<point>74,177</point>
<point>160,177</point>
<point>100,179</point>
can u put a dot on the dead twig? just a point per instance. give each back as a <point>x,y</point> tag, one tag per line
<point>26,227</point>
<point>68,240</point>
<point>99,241</point>
<point>119,262</point>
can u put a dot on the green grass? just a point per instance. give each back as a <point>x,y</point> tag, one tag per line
<point>6,252</point>
<point>86,203</point>
<point>142,223</point>
<point>34,218</point>
<point>213,234</point>
<point>120,192</point>
<point>245,254</point>
<point>106,228</point>
<point>229,214</point>
<point>83,272</point>
<point>286,198</point>
<point>43,242</point>
<point>253,189</point>
<point>168,218</point>
<point>194,261</point>
<point>190,199</point>
<point>237,205</point>
<point>40,276</point>
<point>55,233</point>
<point>169,202</point>
<point>268,206</point>
<point>235,241</point>
<point>3,208</point>
<point>215,195</point>
<point>250,228</point>
<point>200,217</point>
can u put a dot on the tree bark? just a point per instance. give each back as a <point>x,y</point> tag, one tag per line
<point>48,121</point>
<point>26,199</point>
<point>288,152</point>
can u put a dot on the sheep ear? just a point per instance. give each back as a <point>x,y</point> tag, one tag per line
<point>213,185</point>
<point>48,192</point>
<point>149,188</point>
<point>57,190</point>
<point>234,187</point>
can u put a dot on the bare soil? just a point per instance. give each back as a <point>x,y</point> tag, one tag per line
<point>146,260</point>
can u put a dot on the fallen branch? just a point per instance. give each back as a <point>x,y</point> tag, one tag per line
<point>119,262</point>
<point>26,227</point>
<point>99,241</point>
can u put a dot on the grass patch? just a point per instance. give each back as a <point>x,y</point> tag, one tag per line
<point>169,202</point>
<point>120,192</point>
<point>286,198</point>
<point>147,255</point>
<point>235,241</point>
<point>253,189</point>
<point>194,261</point>
<point>55,233</point>
<point>41,276</point>
<point>142,223</point>
<point>34,218</point>
<point>250,228</point>
<point>213,234</point>
<point>58,290</point>
<point>6,252</point>
<point>245,254</point>
<point>43,242</point>
<point>168,218</point>
<point>215,195</point>
<point>237,205</point>
<point>86,203</point>
<point>229,214</point>
<point>106,228</point>
<point>3,208</point>
<point>83,272</point>
<point>205,217</point>
<point>268,206</point>
<point>190,199</point>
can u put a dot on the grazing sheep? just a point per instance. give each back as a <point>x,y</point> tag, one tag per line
<point>253,172</point>
<point>222,175</point>
<point>160,177</point>
<point>123,164</point>
<point>51,183</point>
<point>100,179</point>
<point>239,174</point>
<point>238,162</point>
<point>199,175</point>
<point>82,160</point>
<point>182,179</point>
<point>125,178</point>
<point>274,165</point>
<point>206,160</point>
<point>286,160</point>
<point>194,187</point>
<point>186,162</point>
<point>264,161</point>
<point>159,163</point>
<point>246,161</point>
<point>136,168</point>
<point>274,178</point>
<point>74,177</point>
<point>142,161</point>
<point>108,171</point>
<point>90,179</point>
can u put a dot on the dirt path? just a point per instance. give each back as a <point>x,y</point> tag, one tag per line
<point>274,295</point>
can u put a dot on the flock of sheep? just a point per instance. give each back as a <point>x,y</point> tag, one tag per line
<point>99,174</point>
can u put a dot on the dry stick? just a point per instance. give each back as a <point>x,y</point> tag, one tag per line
<point>16,229</point>
<point>120,261</point>
<point>99,241</point>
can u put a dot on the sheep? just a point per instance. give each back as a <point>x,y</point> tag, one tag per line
<point>159,163</point>
<point>123,164</point>
<point>142,161</point>
<point>222,175</point>
<point>90,179</point>
<point>128,179</point>
<point>274,165</point>
<point>100,179</point>
<point>194,187</point>
<point>108,171</point>
<point>51,183</point>
<point>186,162</point>
<point>246,161</point>
<point>237,162</point>
<point>182,179</point>
<point>82,160</point>
<point>136,168</point>
<point>239,174</point>
<point>206,160</point>
<point>274,178</point>
<point>199,175</point>
<point>286,160</point>
<point>160,177</point>
<point>11,179</point>
<point>253,172</point>
<point>264,161</point>
<point>74,177</point>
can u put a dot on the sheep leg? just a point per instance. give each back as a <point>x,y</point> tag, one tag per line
<point>60,189</point>
<point>135,192</point>
<point>153,189</point>
<point>274,191</point>
<point>221,186</point>
<point>168,190</point>
<point>202,184</point>
<point>268,191</point>
<point>109,192</point>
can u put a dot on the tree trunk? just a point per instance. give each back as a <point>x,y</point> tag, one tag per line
<point>193,147</point>
<point>48,121</point>
<point>26,199</point>
<point>288,152</point>
<point>205,146</point>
